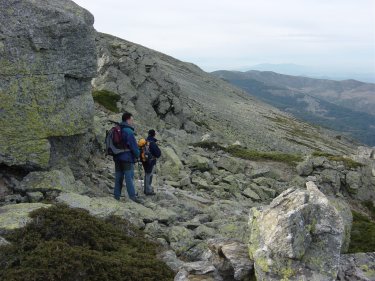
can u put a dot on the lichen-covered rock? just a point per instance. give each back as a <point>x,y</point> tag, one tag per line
<point>345,212</point>
<point>360,266</point>
<point>47,59</point>
<point>181,239</point>
<point>171,164</point>
<point>298,236</point>
<point>59,180</point>
<point>231,258</point>
<point>353,181</point>
<point>231,164</point>
<point>200,163</point>
<point>106,206</point>
<point>305,168</point>
<point>17,215</point>
<point>248,192</point>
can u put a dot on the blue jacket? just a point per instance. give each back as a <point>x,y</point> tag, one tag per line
<point>130,142</point>
<point>155,151</point>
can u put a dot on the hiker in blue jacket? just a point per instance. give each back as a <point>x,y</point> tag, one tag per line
<point>124,162</point>
<point>149,165</point>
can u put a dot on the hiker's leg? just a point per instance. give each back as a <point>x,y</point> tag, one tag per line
<point>119,178</point>
<point>129,180</point>
<point>145,177</point>
<point>149,180</point>
<point>147,183</point>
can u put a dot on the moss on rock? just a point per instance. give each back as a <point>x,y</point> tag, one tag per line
<point>107,99</point>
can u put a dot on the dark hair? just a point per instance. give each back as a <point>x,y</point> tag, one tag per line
<point>126,116</point>
<point>152,133</point>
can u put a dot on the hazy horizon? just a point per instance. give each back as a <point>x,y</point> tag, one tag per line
<point>336,36</point>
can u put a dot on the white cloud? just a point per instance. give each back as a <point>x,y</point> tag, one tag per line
<point>223,34</point>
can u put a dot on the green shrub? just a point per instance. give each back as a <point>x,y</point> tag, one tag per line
<point>69,244</point>
<point>371,207</point>
<point>245,153</point>
<point>362,235</point>
<point>211,145</point>
<point>107,99</point>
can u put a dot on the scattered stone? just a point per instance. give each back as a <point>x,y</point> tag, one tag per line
<point>35,196</point>
<point>170,258</point>
<point>305,168</point>
<point>203,232</point>
<point>200,252</point>
<point>249,193</point>
<point>231,258</point>
<point>198,162</point>
<point>230,164</point>
<point>353,181</point>
<point>155,230</point>
<point>15,199</point>
<point>173,183</point>
<point>199,267</point>
<point>186,181</point>
<point>180,238</point>
<point>257,173</point>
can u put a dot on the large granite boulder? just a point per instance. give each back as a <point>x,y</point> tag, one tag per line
<point>297,237</point>
<point>47,59</point>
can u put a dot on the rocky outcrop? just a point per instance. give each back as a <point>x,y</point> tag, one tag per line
<point>134,73</point>
<point>47,59</point>
<point>299,235</point>
<point>342,176</point>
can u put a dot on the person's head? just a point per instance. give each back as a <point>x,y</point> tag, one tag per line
<point>152,133</point>
<point>128,118</point>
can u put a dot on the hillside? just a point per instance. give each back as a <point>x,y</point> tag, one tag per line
<point>184,97</point>
<point>345,106</point>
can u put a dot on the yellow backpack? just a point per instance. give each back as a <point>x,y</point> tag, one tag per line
<point>144,147</point>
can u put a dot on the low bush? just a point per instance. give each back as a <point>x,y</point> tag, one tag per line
<point>362,238</point>
<point>68,244</point>
<point>248,154</point>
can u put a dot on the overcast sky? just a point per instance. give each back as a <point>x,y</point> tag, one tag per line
<point>235,34</point>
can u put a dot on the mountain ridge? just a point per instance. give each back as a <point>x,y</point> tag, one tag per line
<point>313,100</point>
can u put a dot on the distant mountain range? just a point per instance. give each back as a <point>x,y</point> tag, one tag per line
<point>346,106</point>
<point>313,72</point>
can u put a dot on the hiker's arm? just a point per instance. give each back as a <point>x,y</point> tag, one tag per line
<point>133,146</point>
<point>155,150</point>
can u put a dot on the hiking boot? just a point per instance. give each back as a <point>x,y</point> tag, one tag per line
<point>150,193</point>
<point>137,200</point>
